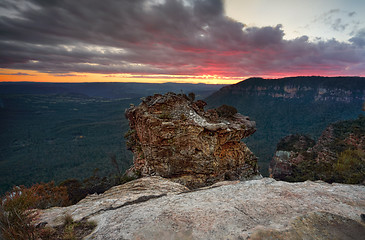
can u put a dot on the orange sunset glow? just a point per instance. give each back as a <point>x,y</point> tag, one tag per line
<point>9,75</point>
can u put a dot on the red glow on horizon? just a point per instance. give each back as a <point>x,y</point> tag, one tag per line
<point>211,75</point>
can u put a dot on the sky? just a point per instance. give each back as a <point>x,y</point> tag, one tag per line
<point>207,41</point>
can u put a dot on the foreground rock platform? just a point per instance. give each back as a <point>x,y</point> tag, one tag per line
<point>156,208</point>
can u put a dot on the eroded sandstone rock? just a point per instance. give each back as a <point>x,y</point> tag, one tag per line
<point>315,225</point>
<point>155,208</point>
<point>173,137</point>
<point>131,193</point>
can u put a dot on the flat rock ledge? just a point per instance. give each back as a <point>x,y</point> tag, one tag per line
<point>156,208</point>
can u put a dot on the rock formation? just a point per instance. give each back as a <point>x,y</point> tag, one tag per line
<point>338,155</point>
<point>156,208</point>
<point>290,151</point>
<point>306,104</point>
<point>173,137</point>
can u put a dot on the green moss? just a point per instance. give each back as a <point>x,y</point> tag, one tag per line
<point>165,116</point>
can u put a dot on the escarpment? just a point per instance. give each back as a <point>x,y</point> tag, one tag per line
<point>174,137</point>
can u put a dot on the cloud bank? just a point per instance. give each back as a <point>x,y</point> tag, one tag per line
<point>173,37</point>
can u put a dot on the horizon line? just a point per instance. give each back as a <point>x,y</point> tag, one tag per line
<point>177,82</point>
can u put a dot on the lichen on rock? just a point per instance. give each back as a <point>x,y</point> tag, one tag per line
<point>174,137</point>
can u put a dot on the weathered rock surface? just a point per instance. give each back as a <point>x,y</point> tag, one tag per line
<point>119,196</point>
<point>173,137</point>
<point>255,209</point>
<point>316,226</point>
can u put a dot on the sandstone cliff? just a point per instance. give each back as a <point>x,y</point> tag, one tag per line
<point>337,156</point>
<point>173,137</point>
<point>156,208</point>
<point>290,151</point>
<point>289,105</point>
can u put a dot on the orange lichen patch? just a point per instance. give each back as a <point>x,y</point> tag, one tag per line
<point>229,151</point>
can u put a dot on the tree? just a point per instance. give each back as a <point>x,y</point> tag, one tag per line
<point>191,96</point>
<point>226,111</point>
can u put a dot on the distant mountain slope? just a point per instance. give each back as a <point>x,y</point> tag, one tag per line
<point>107,89</point>
<point>291,105</point>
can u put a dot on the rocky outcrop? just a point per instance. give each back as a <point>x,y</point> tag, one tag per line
<point>291,105</point>
<point>173,137</point>
<point>291,150</point>
<point>155,208</point>
<point>338,155</point>
<point>131,193</point>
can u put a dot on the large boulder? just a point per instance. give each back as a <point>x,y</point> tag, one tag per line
<point>174,137</point>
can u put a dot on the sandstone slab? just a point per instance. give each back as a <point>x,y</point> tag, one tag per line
<point>255,209</point>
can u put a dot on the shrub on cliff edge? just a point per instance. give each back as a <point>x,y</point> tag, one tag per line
<point>350,167</point>
<point>226,111</point>
<point>16,206</point>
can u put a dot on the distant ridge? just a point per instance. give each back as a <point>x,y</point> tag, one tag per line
<point>106,89</point>
<point>291,105</point>
<point>331,82</point>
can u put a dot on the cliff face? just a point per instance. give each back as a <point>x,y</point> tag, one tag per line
<point>291,105</point>
<point>156,208</point>
<point>173,137</point>
<point>338,155</point>
<point>291,150</point>
<point>322,89</point>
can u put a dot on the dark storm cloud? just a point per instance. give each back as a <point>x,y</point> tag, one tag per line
<point>17,74</point>
<point>187,37</point>
<point>359,38</point>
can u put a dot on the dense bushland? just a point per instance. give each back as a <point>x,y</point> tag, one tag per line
<point>348,145</point>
